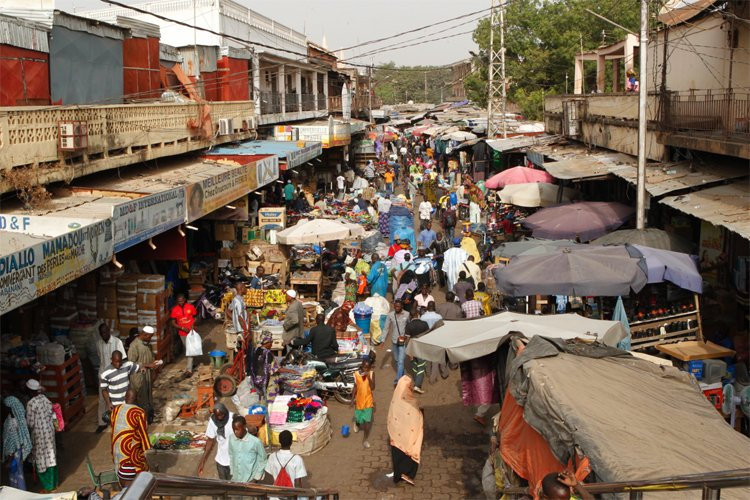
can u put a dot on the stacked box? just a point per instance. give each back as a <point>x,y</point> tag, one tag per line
<point>86,303</point>
<point>109,274</point>
<point>150,302</point>
<point>106,303</point>
<point>224,231</point>
<point>196,281</point>
<point>83,335</point>
<point>127,311</point>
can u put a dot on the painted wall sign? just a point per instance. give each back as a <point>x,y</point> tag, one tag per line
<point>221,189</point>
<point>140,219</point>
<point>266,171</point>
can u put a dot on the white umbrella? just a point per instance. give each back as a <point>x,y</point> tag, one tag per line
<point>318,231</point>
<point>535,194</point>
<point>462,136</point>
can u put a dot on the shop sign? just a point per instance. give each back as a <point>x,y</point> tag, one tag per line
<point>711,248</point>
<point>33,271</point>
<point>341,136</point>
<point>266,171</point>
<point>45,226</point>
<point>240,212</point>
<point>218,190</point>
<point>304,154</point>
<point>138,220</point>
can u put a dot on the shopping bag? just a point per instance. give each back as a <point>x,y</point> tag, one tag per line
<point>193,344</point>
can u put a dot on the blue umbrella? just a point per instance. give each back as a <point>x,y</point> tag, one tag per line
<point>619,315</point>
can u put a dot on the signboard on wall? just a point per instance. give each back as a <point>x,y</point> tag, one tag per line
<point>33,271</point>
<point>138,220</point>
<point>42,225</point>
<point>303,154</point>
<point>266,171</point>
<point>218,190</point>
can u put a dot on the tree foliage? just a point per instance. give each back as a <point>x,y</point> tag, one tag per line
<point>404,83</point>
<point>542,38</point>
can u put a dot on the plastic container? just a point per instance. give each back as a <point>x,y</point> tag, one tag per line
<point>363,321</point>
<point>696,368</point>
<point>217,358</point>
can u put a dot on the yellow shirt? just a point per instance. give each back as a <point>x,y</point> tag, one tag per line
<point>363,398</point>
<point>484,298</point>
<point>388,177</point>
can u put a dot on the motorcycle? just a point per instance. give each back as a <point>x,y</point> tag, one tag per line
<point>334,376</point>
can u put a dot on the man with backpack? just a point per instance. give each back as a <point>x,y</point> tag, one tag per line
<point>286,468</point>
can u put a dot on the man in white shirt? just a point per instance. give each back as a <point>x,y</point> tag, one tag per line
<point>340,186</point>
<point>286,460</point>
<point>105,345</point>
<point>218,431</point>
<point>425,212</point>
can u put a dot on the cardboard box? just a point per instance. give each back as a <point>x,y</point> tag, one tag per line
<point>127,284</point>
<point>272,218</point>
<point>106,309</point>
<point>107,293</point>
<point>150,301</point>
<point>238,261</point>
<point>150,282</point>
<point>224,231</point>
<point>225,253</point>
<point>248,234</point>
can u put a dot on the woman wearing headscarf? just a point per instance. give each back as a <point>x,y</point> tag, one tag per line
<point>340,320</point>
<point>378,277</point>
<point>41,419</point>
<point>406,431</point>
<point>129,439</point>
<point>263,367</point>
<point>218,431</point>
<point>16,441</point>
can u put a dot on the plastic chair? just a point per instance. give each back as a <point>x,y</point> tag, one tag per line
<point>102,478</point>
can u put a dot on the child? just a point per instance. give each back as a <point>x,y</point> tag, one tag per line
<point>286,468</point>
<point>364,383</point>
<point>362,283</point>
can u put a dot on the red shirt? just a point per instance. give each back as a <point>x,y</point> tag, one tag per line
<point>184,316</point>
<point>393,249</point>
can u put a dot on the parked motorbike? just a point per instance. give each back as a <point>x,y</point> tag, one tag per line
<point>334,376</point>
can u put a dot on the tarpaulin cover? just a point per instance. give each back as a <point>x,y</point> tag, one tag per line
<point>25,75</point>
<point>633,419</point>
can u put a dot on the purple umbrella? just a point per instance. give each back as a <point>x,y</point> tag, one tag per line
<point>585,220</point>
<point>665,265</point>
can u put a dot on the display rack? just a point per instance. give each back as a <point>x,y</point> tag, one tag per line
<point>667,329</point>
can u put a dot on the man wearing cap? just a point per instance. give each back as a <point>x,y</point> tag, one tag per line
<point>453,261</point>
<point>41,422</point>
<point>105,345</point>
<point>140,353</point>
<point>294,318</point>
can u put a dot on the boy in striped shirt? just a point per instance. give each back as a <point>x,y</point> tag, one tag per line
<point>115,379</point>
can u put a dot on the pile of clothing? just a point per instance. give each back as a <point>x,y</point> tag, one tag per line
<point>303,409</point>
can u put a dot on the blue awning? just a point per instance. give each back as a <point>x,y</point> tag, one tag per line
<point>290,153</point>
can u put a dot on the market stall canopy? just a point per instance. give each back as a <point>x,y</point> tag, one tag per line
<point>648,237</point>
<point>517,175</point>
<point>318,231</point>
<point>580,271</point>
<point>536,194</point>
<point>633,419</point>
<point>530,246</point>
<point>470,339</point>
<point>461,136</point>
<point>584,221</point>
<point>664,265</point>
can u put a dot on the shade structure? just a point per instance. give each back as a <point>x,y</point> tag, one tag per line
<point>584,221</point>
<point>317,231</point>
<point>464,340</point>
<point>648,237</point>
<point>580,271</point>
<point>665,265</point>
<point>517,175</point>
<point>535,194</point>
<point>530,246</point>
<point>461,136</point>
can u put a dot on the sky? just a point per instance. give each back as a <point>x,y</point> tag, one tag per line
<point>344,23</point>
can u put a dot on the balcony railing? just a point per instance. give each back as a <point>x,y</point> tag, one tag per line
<point>717,112</point>
<point>291,105</point>
<point>334,104</point>
<point>270,103</point>
<point>359,102</point>
<point>322,102</point>
<point>308,102</point>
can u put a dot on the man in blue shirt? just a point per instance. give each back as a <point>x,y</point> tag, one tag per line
<point>427,235</point>
<point>289,193</point>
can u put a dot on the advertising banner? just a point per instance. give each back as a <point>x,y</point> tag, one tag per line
<point>266,171</point>
<point>218,190</point>
<point>140,219</point>
<point>31,272</point>
<point>42,225</point>
<point>304,154</point>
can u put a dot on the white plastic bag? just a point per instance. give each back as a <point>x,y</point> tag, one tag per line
<point>193,344</point>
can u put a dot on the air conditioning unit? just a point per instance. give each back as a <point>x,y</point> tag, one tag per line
<point>226,126</point>
<point>73,135</point>
<point>249,123</point>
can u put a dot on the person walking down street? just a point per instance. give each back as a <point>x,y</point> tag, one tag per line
<point>115,380</point>
<point>247,457</point>
<point>448,221</point>
<point>364,384</point>
<point>414,328</point>
<point>453,262</point>
<point>427,236</point>
<point>425,213</point>
<point>129,439</point>
<point>140,353</point>
<point>438,249</point>
<point>484,298</point>
<point>105,345</point>
<point>423,298</point>
<point>41,421</point>
<point>16,442</point>
<point>384,215</point>
<point>406,431</point>
<point>237,321</point>
<point>395,326</point>
<point>450,310</point>
<point>472,308</point>
<point>340,186</point>
<point>218,431</point>
<point>294,320</point>
<point>378,277</point>
<point>388,177</point>
<point>264,368</point>
<point>463,286</point>
<point>289,194</point>
<point>473,271</point>
<point>286,468</point>
<point>182,317</point>
<point>430,316</point>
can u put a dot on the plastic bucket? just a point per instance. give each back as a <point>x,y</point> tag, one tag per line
<point>363,321</point>
<point>217,358</point>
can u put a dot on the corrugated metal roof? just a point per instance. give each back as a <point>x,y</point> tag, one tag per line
<point>24,34</point>
<point>726,206</point>
<point>236,53</point>
<point>91,26</point>
<point>42,17</point>
<point>521,142</point>
<point>138,28</point>
<point>287,151</point>
<point>169,53</point>
<point>666,178</point>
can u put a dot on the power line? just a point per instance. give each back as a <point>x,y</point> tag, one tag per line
<point>380,51</point>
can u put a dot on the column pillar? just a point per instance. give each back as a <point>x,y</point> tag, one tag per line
<point>282,88</point>
<point>255,85</point>
<point>298,83</point>
<point>315,90</point>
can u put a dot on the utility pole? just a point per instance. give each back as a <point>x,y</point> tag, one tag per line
<point>496,97</point>
<point>425,87</point>
<point>369,92</point>
<point>640,214</point>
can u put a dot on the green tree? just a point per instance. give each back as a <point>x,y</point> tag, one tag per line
<point>403,83</point>
<point>542,38</point>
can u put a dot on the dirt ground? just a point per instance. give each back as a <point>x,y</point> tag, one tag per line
<point>454,451</point>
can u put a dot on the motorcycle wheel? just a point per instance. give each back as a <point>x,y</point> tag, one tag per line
<point>343,396</point>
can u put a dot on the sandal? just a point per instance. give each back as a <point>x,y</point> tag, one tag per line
<point>407,479</point>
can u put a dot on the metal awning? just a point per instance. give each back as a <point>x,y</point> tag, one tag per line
<point>524,141</point>
<point>726,206</point>
<point>588,166</point>
<point>666,178</point>
<point>290,154</point>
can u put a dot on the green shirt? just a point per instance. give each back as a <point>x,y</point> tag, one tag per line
<point>247,458</point>
<point>289,192</point>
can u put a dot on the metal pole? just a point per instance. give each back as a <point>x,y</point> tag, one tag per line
<point>502,68</point>
<point>640,220</point>
<point>369,92</point>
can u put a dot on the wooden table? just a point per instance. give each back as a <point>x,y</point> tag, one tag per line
<point>308,278</point>
<point>695,349</point>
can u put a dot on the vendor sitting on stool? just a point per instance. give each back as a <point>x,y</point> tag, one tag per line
<point>323,339</point>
